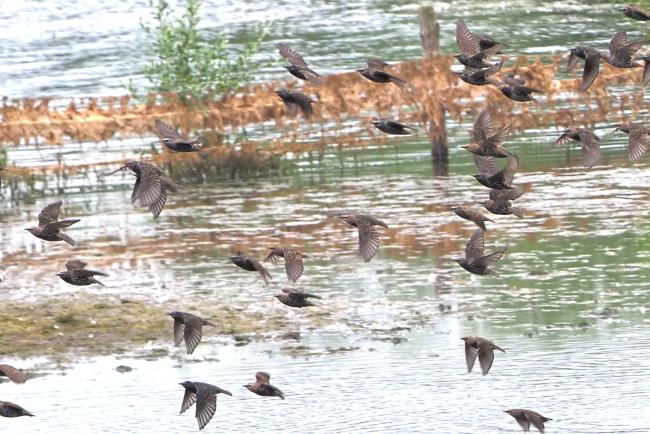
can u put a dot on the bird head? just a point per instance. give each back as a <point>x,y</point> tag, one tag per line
<point>31,229</point>
<point>464,338</point>
<point>458,260</point>
<point>454,208</point>
<point>174,314</point>
<point>477,177</point>
<point>249,386</point>
<point>619,127</point>
<point>61,274</point>
<point>278,296</point>
<point>510,412</point>
<point>188,385</point>
<point>362,70</point>
<point>282,93</point>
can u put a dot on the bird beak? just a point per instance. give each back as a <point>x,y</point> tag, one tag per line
<point>465,146</point>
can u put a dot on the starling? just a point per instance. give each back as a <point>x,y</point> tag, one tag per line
<point>188,327</point>
<point>9,409</point>
<point>589,143</point>
<point>49,226</point>
<point>525,417</point>
<point>501,204</point>
<point>77,274</point>
<point>368,236</point>
<point>376,72</point>
<point>393,127</point>
<point>592,64</point>
<point>638,141</point>
<point>293,99</point>
<point>250,264</point>
<point>621,51</point>
<point>298,67</point>
<point>481,347</point>
<point>513,80</point>
<point>151,185</point>
<point>472,215</point>
<point>471,53</point>
<point>488,175</point>
<point>15,375</point>
<point>481,77</point>
<point>636,13</point>
<point>513,194</point>
<point>175,141</point>
<point>474,261</point>
<point>205,397</point>
<point>292,298</point>
<point>520,93</point>
<point>487,143</point>
<point>262,386</point>
<point>292,261</point>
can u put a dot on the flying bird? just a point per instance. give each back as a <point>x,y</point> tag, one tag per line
<point>175,141</point>
<point>393,127</point>
<point>205,397</point>
<point>588,141</point>
<point>472,215</point>
<point>486,142</point>
<point>490,177</point>
<point>376,71</point>
<point>293,99</point>
<point>188,327</point>
<point>482,77</point>
<point>50,227</point>
<point>638,140</point>
<point>475,261</point>
<point>621,51</point>
<point>15,375</point>
<point>291,298</point>
<point>527,417</point>
<point>636,13</point>
<point>76,274</point>
<point>9,409</point>
<point>298,67</point>
<point>591,69</point>
<point>151,185</point>
<point>472,54</point>
<point>292,261</point>
<point>368,236</point>
<point>520,93</point>
<point>481,347</point>
<point>262,386</point>
<point>250,264</point>
<point>501,204</point>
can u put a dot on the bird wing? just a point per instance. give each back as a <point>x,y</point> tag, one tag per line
<point>13,374</point>
<point>304,295</point>
<point>55,226</point>
<point>179,331</point>
<point>368,241</point>
<point>505,195</point>
<point>572,62</point>
<point>193,332</point>
<point>75,264</point>
<point>206,404</point>
<point>157,207</point>
<point>488,260</point>
<point>590,72</point>
<point>263,377</point>
<point>189,398</point>
<point>523,421</point>
<point>150,187</point>
<point>637,144</point>
<point>83,273</point>
<point>50,213</point>
<point>624,53</point>
<point>508,172</point>
<point>485,355</point>
<point>260,268</point>
<point>536,419</point>
<point>470,356</point>
<point>467,43</point>
<point>398,125</point>
<point>590,148</point>
<point>482,128</point>
<point>564,138</point>
<point>646,72</point>
<point>311,75</point>
<point>487,166</point>
<point>475,246</point>
<point>618,41</point>
<point>496,139</point>
<point>377,64</point>
<point>304,102</point>
<point>291,55</point>
<point>293,264</point>
<point>167,131</point>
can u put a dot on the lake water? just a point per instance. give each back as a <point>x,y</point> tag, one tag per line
<point>570,307</point>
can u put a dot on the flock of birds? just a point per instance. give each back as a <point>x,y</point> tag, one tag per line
<point>152,185</point>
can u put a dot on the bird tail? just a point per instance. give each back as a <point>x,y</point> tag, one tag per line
<point>65,237</point>
<point>93,280</point>
<point>498,348</point>
<point>206,322</point>
<point>518,212</point>
<point>397,82</point>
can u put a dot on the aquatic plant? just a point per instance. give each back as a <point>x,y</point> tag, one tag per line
<point>189,63</point>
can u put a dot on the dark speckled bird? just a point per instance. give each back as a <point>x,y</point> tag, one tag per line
<point>205,397</point>
<point>486,142</point>
<point>527,417</point>
<point>481,77</point>
<point>262,386</point>
<point>490,177</point>
<point>474,261</point>
<point>393,127</point>
<point>151,185</point>
<point>472,215</point>
<point>636,13</point>
<point>589,143</point>
<point>471,53</point>
<point>376,72</point>
<point>15,375</point>
<point>77,274</point>
<point>638,140</point>
<point>292,298</point>
<point>293,99</point>
<point>9,409</point>
<point>188,327</point>
<point>50,227</point>
<point>520,93</point>
<point>481,347</point>
<point>292,261</point>
<point>368,236</point>
<point>298,67</point>
<point>250,264</point>
<point>175,141</point>
<point>591,69</point>
<point>621,51</point>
